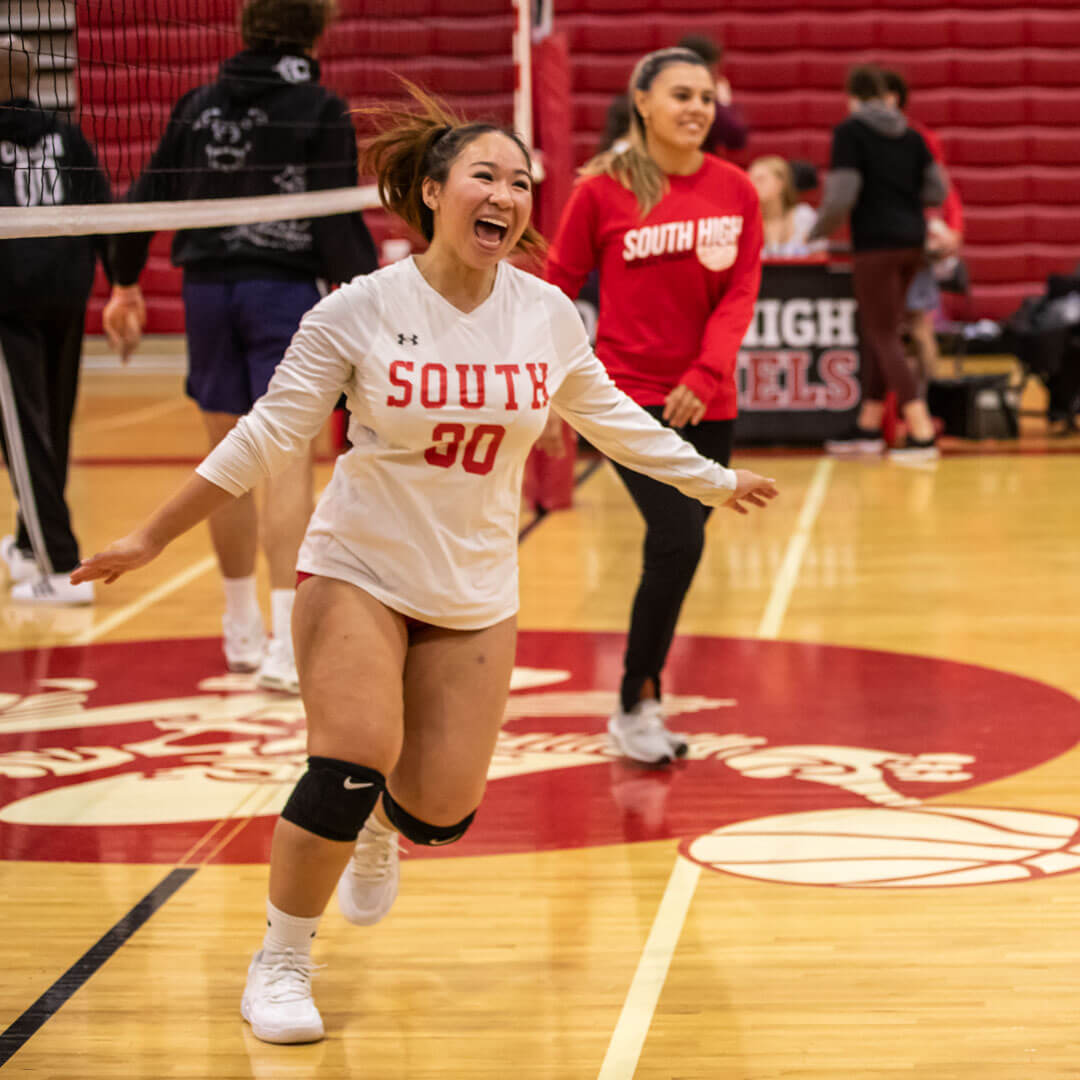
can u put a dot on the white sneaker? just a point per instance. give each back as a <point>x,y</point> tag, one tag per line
<point>278,668</point>
<point>54,589</point>
<point>640,734</point>
<point>21,567</point>
<point>368,885</point>
<point>277,1000</point>
<point>245,643</point>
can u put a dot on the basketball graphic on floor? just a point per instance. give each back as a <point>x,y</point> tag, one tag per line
<point>882,848</point>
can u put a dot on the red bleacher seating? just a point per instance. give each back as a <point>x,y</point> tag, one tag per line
<point>1052,29</point>
<point>985,30</point>
<point>999,84</point>
<point>378,37</point>
<point>380,9</point>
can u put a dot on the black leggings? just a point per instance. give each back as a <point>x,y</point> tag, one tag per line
<point>674,540</point>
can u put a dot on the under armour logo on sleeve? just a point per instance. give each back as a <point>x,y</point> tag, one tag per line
<point>412,339</point>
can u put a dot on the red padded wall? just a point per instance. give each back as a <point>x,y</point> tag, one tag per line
<point>999,84</point>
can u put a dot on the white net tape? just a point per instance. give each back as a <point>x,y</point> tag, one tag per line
<point>109,218</point>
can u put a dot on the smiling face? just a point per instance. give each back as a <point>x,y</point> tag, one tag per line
<point>678,107</point>
<point>484,205</point>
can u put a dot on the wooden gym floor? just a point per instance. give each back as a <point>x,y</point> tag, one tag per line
<point>865,868</point>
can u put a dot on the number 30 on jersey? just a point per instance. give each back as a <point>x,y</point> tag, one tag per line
<point>477,449</point>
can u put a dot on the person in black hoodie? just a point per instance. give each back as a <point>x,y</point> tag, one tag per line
<point>44,161</point>
<point>264,127</point>
<point>882,173</point>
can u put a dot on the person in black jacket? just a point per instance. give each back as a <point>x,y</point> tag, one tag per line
<point>882,173</point>
<point>264,127</point>
<point>46,282</point>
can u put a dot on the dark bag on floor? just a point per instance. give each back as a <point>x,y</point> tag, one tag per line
<point>974,406</point>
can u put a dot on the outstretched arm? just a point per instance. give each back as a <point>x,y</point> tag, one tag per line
<point>194,502</point>
<point>589,402</point>
<point>302,393</point>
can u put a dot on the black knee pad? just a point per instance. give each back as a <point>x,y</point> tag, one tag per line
<point>333,798</point>
<point>420,832</point>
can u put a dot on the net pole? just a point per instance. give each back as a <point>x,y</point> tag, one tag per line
<point>523,116</point>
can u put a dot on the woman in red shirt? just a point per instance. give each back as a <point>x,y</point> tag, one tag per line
<point>676,235</point>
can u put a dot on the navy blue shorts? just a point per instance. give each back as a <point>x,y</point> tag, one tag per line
<point>237,333</point>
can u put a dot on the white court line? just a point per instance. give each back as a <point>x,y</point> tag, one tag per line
<point>628,1038</point>
<point>166,588</point>
<point>135,416</point>
<point>788,575</point>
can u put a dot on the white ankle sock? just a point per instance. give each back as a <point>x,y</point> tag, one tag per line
<point>288,931</point>
<point>241,599</point>
<point>281,605</point>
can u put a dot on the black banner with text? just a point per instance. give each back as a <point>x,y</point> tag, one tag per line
<point>798,369</point>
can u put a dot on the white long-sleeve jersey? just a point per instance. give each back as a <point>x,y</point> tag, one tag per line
<point>422,512</point>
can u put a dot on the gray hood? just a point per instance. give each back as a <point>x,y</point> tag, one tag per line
<point>882,119</point>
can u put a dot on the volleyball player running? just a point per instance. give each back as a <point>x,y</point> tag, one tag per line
<point>265,127</point>
<point>405,621</point>
<point>677,237</point>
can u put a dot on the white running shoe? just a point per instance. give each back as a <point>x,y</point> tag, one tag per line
<point>55,590</point>
<point>277,1000</point>
<point>640,734</point>
<point>368,885</point>
<point>21,567</point>
<point>278,668</point>
<point>245,643</point>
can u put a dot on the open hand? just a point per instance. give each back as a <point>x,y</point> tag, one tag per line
<point>118,558</point>
<point>750,488</point>
<point>682,406</point>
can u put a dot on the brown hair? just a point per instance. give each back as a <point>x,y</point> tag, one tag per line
<point>285,24</point>
<point>414,143</point>
<point>18,66</point>
<point>632,166</point>
<point>789,196</point>
<point>866,83</point>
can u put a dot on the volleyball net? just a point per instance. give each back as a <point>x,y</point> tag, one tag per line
<point>116,69</point>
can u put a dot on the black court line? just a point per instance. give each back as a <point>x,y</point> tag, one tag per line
<point>578,481</point>
<point>72,979</point>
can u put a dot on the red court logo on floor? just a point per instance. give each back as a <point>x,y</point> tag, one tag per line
<point>144,752</point>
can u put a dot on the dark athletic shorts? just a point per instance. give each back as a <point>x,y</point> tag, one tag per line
<point>237,333</point>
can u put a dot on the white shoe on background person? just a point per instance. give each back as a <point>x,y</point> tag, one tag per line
<point>244,643</point>
<point>278,668</point>
<point>640,734</point>
<point>55,589</point>
<point>21,566</point>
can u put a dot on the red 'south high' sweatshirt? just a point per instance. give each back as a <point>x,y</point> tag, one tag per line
<point>677,288</point>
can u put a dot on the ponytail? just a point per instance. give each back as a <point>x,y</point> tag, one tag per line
<point>414,143</point>
<point>631,165</point>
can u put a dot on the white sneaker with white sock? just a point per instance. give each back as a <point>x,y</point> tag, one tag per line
<point>53,589</point>
<point>244,642</point>
<point>242,625</point>
<point>640,734</point>
<point>278,668</point>
<point>368,886</point>
<point>21,567</point>
<point>277,1000</point>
